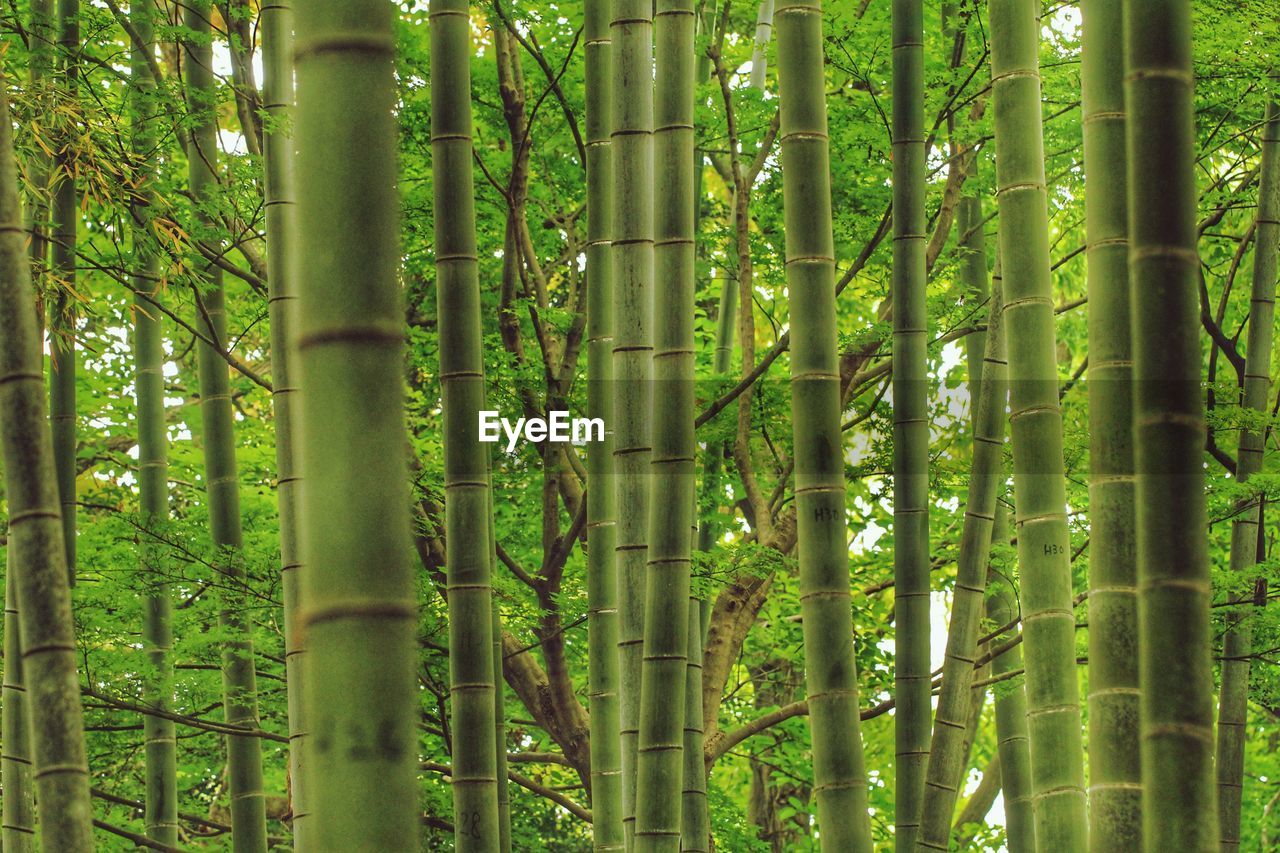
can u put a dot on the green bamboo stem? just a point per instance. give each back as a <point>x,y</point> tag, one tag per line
<point>1245,553</point>
<point>1053,702</point>
<point>1175,670</point>
<point>660,768</point>
<point>357,600</point>
<point>831,673</point>
<point>43,33</point>
<point>632,231</point>
<point>62,321</point>
<point>948,750</point>
<point>19,805</point>
<point>602,579</point>
<point>276,22</point>
<point>36,552</point>
<point>160,815</point>
<point>222,482</point>
<point>1011,711</point>
<point>760,48</point>
<point>499,712</point>
<point>695,818</point>
<point>1115,784</point>
<point>911,683</point>
<point>467,492</point>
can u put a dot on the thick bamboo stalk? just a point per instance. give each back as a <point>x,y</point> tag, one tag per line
<point>1053,701</point>
<point>62,319</point>
<point>1245,552</point>
<point>1175,669</point>
<point>760,49</point>
<point>1011,710</point>
<point>19,805</point>
<point>358,609</point>
<point>602,579</point>
<point>948,750</point>
<point>222,482</point>
<point>830,671</point>
<point>467,492</point>
<point>276,22</point>
<point>160,815</point>
<point>37,558</point>
<point>1115,784</point>
<point>660,769</point>
<point>632,232</point>
<point>911,682</point>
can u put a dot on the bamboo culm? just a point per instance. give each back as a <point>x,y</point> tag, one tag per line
<point>160,815</point>
<point>910,426</point>
<point>36,551</point>
<point>660,769</point>
<point>19,805</point>
<point>1175,672</point>
<point>830,670</point>
<point>467,491</point>
<point>948,752</point>
<point>1115,784</point>
<point>760,49</point>
<point>1053,701</point>
<point>277,148</point>
<point>221,479</point>
<point>632,253</point>
<point>357,602</point>
<point>1010,706</point>
<point>602,579</point>
<point>62,320</point>
<point>1245,552</point>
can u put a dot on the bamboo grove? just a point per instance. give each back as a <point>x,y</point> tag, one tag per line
<point>297,298</point>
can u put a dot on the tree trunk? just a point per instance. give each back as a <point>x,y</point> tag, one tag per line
<point>19,835</point>
<point>37,553</point>
<point>221,479</point>
<point>760,50</point>
<point>911,682</point>
<point>467,487</point>
<point>831,673</point>
<point>1115,789</point>
<point>1044,547</point>
<point>1245,539</point>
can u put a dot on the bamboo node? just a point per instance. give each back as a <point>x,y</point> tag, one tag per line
<point>353,42</point>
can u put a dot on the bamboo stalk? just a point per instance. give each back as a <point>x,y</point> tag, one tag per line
<point>37,553</point>
<point>358,609</point>
<point>1115,785</point>
<point>910,426</point>
<point>1175,669</point>
<point>602,578</point>
<point>1044,547</point>
<point>221,478</point>
<point>830,671</point>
